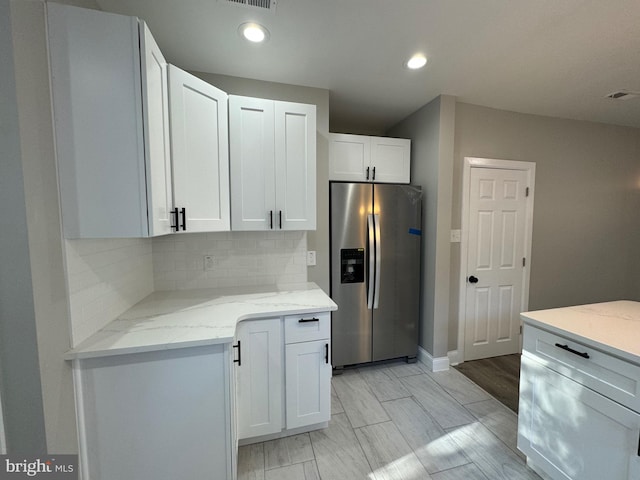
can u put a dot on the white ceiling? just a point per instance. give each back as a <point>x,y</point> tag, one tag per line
<point>547,57</point>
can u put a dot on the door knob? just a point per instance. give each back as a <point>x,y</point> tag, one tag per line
<point>473,279</point>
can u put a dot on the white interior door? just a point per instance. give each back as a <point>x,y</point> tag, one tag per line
<point>495,263</point>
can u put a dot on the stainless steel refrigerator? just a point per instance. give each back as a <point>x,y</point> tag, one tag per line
<point>375,271</point>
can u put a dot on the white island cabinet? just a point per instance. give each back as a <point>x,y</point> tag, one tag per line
<point>579,412</point>
<point>168,389</point>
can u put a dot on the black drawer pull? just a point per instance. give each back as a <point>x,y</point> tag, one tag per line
<point>184,218</point>
<point>326,356</point>
<point>575,352</point>
<point>239,360</point>
<point>307,320</point>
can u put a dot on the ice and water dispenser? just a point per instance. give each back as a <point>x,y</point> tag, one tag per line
<point>352,265</point>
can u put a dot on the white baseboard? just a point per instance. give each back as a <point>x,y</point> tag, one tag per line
<point>455,358</point>
<point>437,364</point>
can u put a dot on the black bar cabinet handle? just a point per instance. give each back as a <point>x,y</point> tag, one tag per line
<point>367,173</point>
<point>639,444</point>
<point>271,219</point>
<point>575,352</point>
<point>280,219</point>
<point>306,320</point>
<point>184,218</point>
<point>239,359</point>
<point>374,173</point>
<point>326,359</point>
<point>177,215</point>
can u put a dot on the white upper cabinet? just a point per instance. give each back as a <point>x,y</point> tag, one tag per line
<point>360,158</point>
<point>200,153</point>
<point>273,164</point>
<point>110,114</point>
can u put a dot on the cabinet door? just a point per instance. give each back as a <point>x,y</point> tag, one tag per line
<point>349,157</point>
<point>572,432</point>
<point>295,163</point>
<point>390,160</point>
<point>259,377</point>
<point>251,133</point>
<point>200,152</point>
<point>308,383</point>
<point>155,98</point>
<point>96,89</point>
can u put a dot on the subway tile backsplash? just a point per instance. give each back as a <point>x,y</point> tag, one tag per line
<point>106,278</point>
<point>238,259</point>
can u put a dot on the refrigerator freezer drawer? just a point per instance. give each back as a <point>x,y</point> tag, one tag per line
<point>307,328</point>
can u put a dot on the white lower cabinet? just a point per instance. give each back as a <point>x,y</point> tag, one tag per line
<point>259,378</point>
<point>569,431</point>
<point>283,375</point>
<point>307,372</point>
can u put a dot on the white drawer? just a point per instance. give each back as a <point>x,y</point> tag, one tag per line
<point>604,373</point>
<point>307,327</point>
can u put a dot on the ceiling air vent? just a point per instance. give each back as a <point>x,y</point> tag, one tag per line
<point>623,95</point>
<point>258,4</point>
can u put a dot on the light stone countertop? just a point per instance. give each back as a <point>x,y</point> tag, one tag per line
<point>613,327</point>
<point>187,318</point>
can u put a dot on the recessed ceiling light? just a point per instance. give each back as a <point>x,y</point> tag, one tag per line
<point>416,62</point>
<point>254,32</point>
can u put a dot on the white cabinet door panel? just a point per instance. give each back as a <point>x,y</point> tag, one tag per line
<point>200,152</point>
<point>158,157</point>
<point>259,377</point>
<point>308,383</point>
<point>390,160</point>
<point>295,154</point>
<point>572,431</point>
<point>349,157</point>
<point>251,123</point>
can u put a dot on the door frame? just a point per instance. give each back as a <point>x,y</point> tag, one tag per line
<point>491,163</point>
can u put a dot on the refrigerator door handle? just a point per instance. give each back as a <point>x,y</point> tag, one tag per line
<point>376,293</point>
<point>372,260</point>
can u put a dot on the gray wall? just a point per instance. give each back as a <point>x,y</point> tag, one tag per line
<point>20,370</point>
<point>586,225</point>
<point>318,240</point>
<point>431,131</point>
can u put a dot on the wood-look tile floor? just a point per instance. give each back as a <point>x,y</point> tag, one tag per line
<point>398,421</point>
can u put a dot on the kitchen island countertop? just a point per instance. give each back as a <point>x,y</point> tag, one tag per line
<point>187,318</point>
<point>613,327</point>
